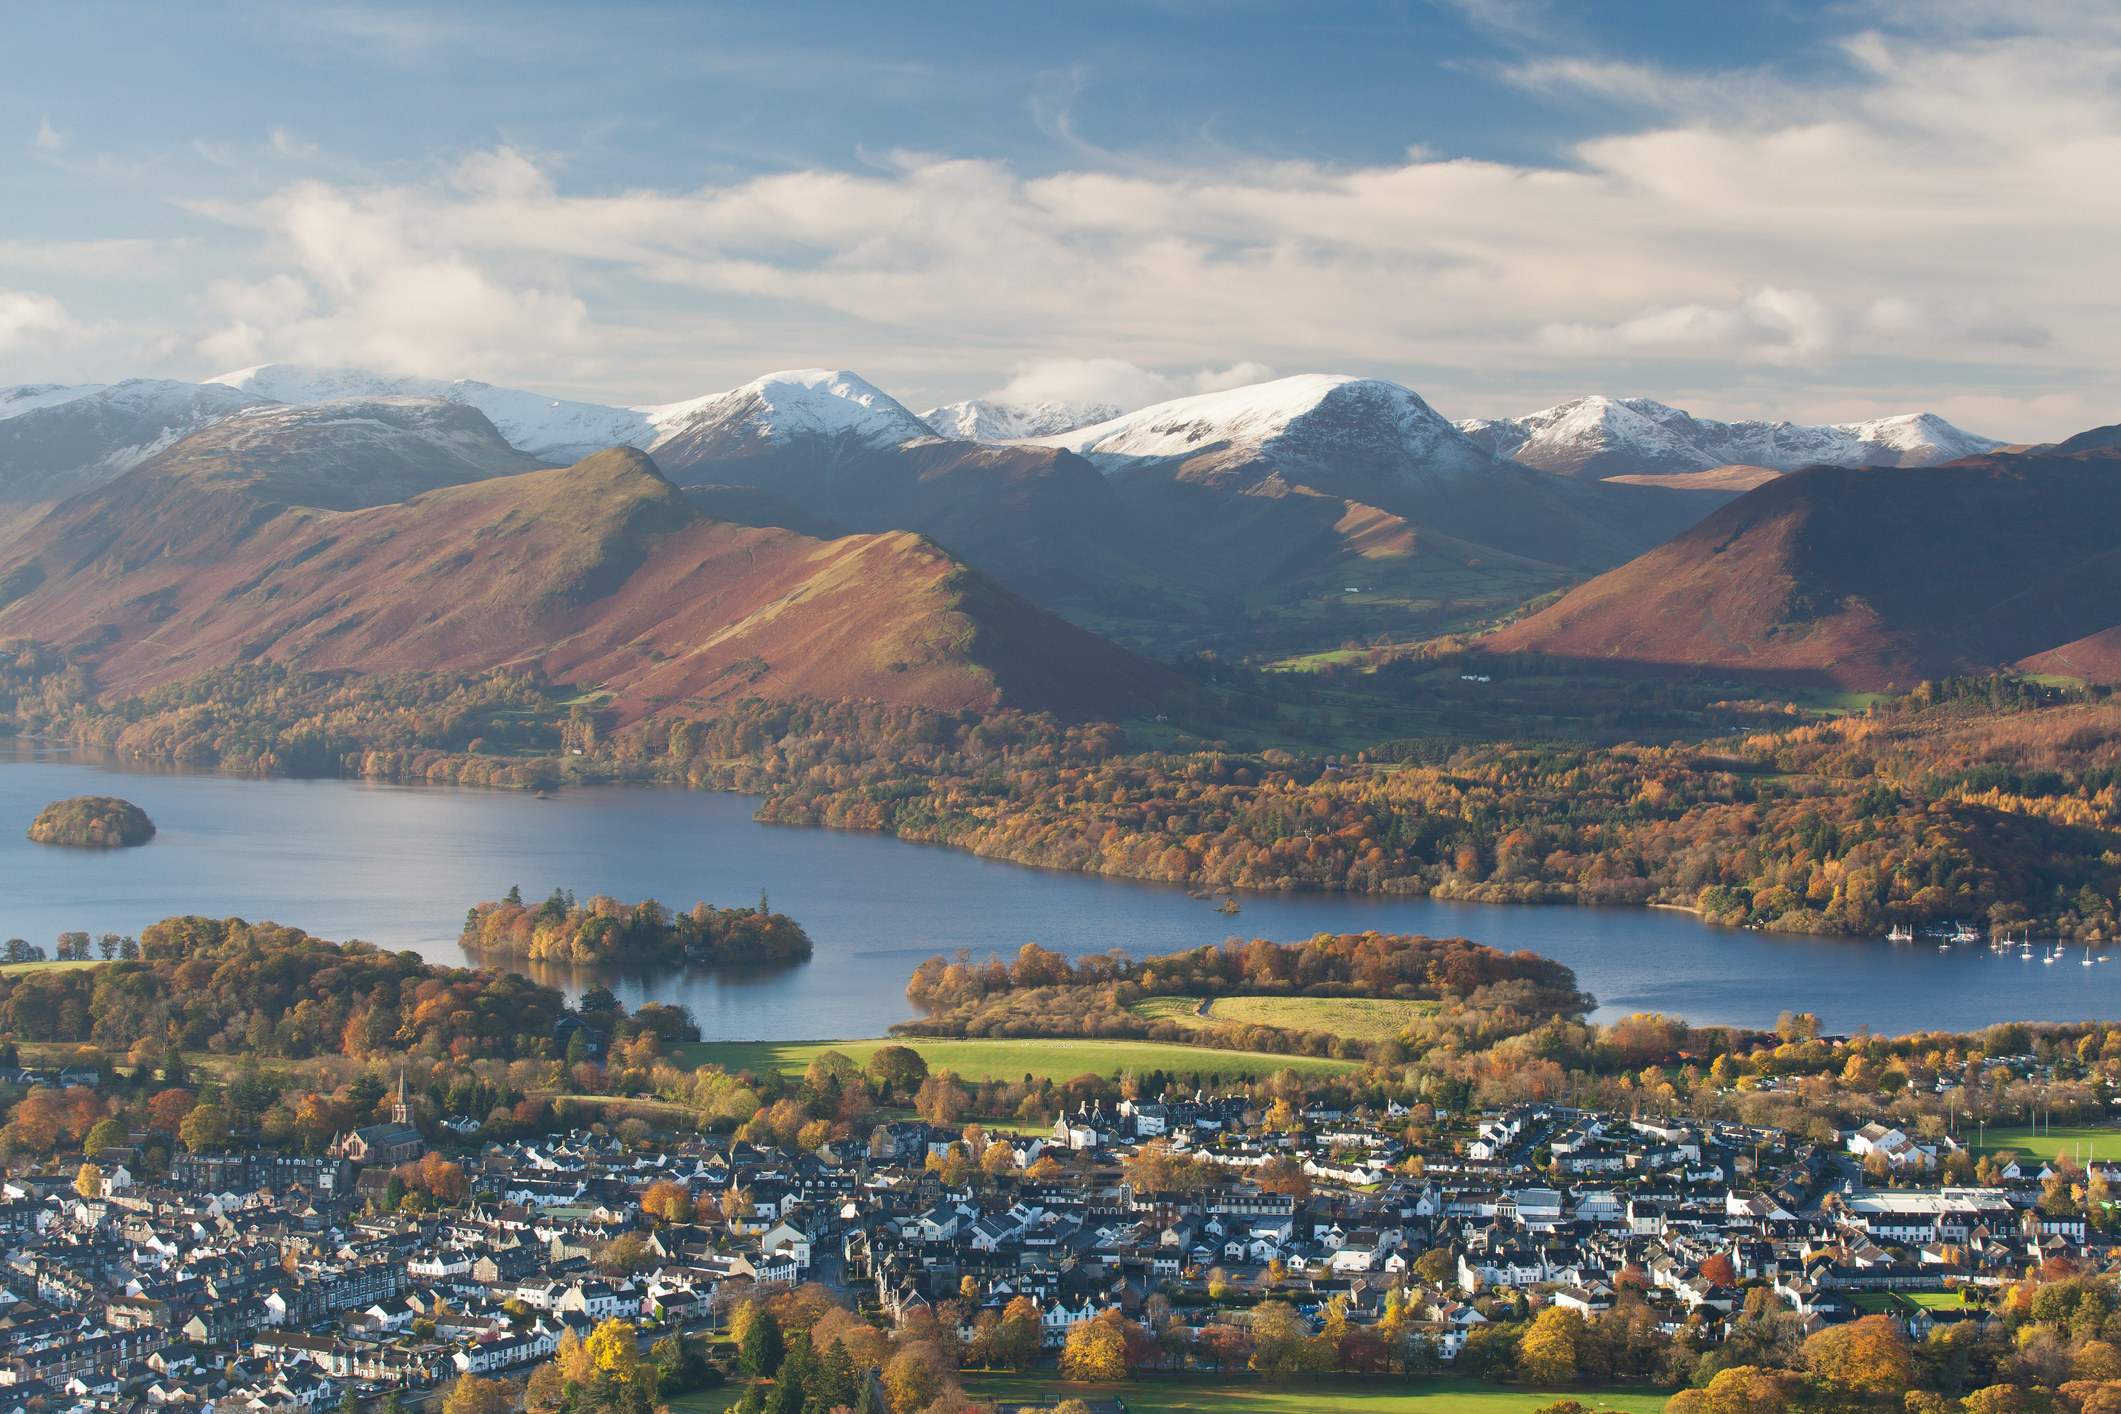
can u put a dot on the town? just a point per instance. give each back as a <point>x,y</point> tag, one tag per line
<point>1187,1231</point>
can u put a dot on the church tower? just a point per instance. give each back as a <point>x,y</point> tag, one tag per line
<point>401,1112</point>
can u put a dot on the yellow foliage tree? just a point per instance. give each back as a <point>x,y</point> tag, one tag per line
<point>1866,1356</point>
<point>614,1348</point>
<point>89,1182</point>
<point>472,1395</point>
<point>1548,1353</point>
<point>1096,1350</point>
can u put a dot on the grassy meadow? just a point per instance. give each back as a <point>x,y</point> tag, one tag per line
<point>1358,1018</point>
<point>979,1059</point>
<point>12,968</point>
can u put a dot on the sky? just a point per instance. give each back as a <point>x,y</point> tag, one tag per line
<point>1748,208</point>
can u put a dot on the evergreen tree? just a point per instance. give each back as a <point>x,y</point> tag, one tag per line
<point>798,1373</point>
<point>760,1354</point>
<point>837,1381</point>
<point>350,1402</point>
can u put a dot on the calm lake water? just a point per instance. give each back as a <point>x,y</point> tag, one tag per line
<point>399,865</point>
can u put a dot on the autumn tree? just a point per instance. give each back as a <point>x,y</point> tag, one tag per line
<point>1282,1174</point>
<point>168,1108</point>
<point>472,1395</point>
<point>667,1202</point>
<point>89,1182</point>
<point>1282,1343</point>
<point>1096,1350</point>
<point>1743,1389</point>
<point>205,1128</point>
<point>1548,1353</point>
<point>1718,1270</point>
<point>940,1099</point>
<point>917,1376</point>
<point>1866,1356</point>
<point>614,1349</point>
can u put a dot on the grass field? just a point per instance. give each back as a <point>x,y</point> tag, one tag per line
<point>15,967</point>
<point>2087,1141</point>
<point>1359,1018</point>
<point>707,1401</point>
<point>1012,1060</point>
<point>1440,1395</point>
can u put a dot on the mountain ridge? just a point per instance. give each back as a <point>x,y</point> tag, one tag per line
<point>1600,437</point>
<point>1863,577</point>
<point>602,572</point>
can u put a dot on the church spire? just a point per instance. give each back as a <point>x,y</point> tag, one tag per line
<point>401,1112</point>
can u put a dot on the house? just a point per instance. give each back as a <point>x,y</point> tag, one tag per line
<point>1900,1151</point>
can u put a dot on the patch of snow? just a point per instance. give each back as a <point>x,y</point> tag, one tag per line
<point>979,420</point>
<point>1601,436</point>
<point>552,429</point>
<point>56,441</point>
<point>1317,428</point>
<point>794,404</point>
<point>28,397</point>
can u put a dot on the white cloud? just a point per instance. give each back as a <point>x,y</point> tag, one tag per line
<point>1771,326</point>
<point>366,281</point>
<point>1943,202</point>
<point>30,320</point>
<point>1118,382</point>
<point>48,137</point>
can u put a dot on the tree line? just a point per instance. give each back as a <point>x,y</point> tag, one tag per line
<point>606,930</point>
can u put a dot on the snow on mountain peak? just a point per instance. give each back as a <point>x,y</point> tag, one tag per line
<point>984,420</point>
<point>56,440</point>
<point>782,407</point>
<point>1326,430</point>
<point>552,429</point>
<point>1598,436</point>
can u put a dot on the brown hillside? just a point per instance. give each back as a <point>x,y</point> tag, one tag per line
<point>2096,658</point>
<point>598,573</point>
<point>1864,577</point>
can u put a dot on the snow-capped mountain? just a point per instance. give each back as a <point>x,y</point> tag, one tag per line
<point>56,440</point>
<point>1600,437</point>
<point>1345,436</point>
<point>834,414</point>
<point>348,453</point>
<point>551,429</point>
<point>979,420</point>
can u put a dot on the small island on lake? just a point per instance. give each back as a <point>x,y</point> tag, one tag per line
<point>605,930</point>
<point>92,822</point>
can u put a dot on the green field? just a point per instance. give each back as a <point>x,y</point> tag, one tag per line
<point>707,1401</point>
<point>1058,1060</point>
<point>1439,1395</point>
<point>1358,1018</point>
<point>1873,1303</point>
<point>14,967</point>
<point>2087,1141</point>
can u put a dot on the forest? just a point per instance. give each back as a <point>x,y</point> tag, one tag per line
<point>228,986</point>
<point>605,930</point>
<point>1987,800</point>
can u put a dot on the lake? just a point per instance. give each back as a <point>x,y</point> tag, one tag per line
<point>399,865</point>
